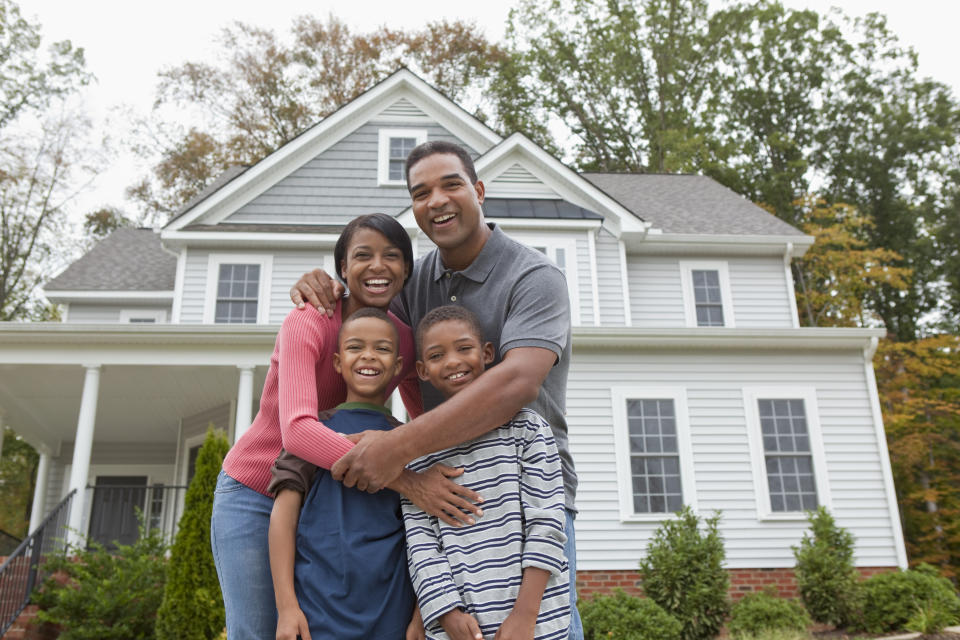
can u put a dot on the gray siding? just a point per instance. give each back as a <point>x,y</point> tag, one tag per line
<point>714,383</point>
<point>656,299</point>
<point>288,266</point>
<point>760,294</point>
<point>194,286</point>
<point>108,313</point>
<point>336,186</point>
<point>588,315</point>
<point>610,280</point>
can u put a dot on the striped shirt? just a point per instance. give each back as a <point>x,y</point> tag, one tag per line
<point>516,468</point>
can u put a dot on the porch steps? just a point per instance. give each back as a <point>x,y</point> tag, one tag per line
<point>26,628</point>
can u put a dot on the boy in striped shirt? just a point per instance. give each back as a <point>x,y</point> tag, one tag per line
<point>504,577</point>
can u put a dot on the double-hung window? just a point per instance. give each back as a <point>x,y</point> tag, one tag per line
<point>393,147</point>
<point>787,451</point>
<point>654,457</point>
<point>237,289</point>
<point>706,294</point>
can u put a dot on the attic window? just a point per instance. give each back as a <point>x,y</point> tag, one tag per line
<point>394,146</point>
<point>707,297</point>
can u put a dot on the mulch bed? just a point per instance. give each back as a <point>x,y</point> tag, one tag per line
<point>840,634</point>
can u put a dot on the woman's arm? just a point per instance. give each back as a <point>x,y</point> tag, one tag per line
<point>291,622</point>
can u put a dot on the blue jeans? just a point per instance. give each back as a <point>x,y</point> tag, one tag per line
<point>238,537</point>
<point>570,550</point>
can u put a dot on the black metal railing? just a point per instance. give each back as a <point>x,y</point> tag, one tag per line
<point>23,569</point>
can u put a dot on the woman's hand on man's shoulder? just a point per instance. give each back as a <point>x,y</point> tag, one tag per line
<point>318,289</point>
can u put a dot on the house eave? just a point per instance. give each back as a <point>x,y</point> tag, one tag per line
<point>619,338</point>
<point>175,240</point>
<point>61,296</point>
<point>654,243</point>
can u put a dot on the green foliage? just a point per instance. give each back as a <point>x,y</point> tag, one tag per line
<point>779,634</point>
<point>758,613</point>
<point>18,470</point>
<point>683,573</point>
<point>919,599</point>
<point>826,577</point>
<point>96,594</point>
<point>192,606</point>
<point>625,617</point>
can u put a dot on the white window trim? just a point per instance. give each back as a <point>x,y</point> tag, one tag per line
<point>569,245</point>
<point>621,434</point>
<point>214,260</point>
<point>383,152</point>
<point>687,267</point>
<point>751,396</point>
<point>158,315</point>
<point>188,444</point>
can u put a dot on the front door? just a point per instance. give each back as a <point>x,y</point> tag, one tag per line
<point>113,516</point>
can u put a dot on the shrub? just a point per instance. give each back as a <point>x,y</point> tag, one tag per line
<point>826,578</point>
<point>904,599</point>
<point>683,573</point>
<point>779,634</point>
<point>192,603</point>
<point>758,613</point>
<point>96,594</point>
<point>625,617</point>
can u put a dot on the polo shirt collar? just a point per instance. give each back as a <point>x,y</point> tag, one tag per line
<point>483,264</point>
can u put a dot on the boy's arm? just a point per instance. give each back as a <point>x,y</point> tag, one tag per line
<point>291,622</point>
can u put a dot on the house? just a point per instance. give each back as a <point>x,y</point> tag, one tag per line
<point>691,381</point>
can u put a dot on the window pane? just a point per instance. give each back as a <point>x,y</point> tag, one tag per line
<point>655,462</point>
<point>238,290</point>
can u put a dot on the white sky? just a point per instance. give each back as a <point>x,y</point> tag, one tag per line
<point>127,42</point>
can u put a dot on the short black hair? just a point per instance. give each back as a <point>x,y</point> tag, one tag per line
<point>434,147</point>
<point>381,223</point>
<point>448,313</point>
<point>371,312</point>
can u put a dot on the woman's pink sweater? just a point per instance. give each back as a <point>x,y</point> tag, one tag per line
<point>300,383</point>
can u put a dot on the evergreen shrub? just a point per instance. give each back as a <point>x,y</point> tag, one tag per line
<point>192,606</point>
<point>94,593</point>
<point>919,599</point>
<point>625,617</point>
<point>826,578</point>
<point>759,613</point>
<point>683,573</point>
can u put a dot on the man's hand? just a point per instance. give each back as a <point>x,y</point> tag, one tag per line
<point>319,289</point>
<point>372,464</point>
<point>292,624</point>
<point>517,627</point>
<point>434,492</point>
<point>460,625</point>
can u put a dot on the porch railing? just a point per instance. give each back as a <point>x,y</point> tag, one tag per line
<point>23,569</point>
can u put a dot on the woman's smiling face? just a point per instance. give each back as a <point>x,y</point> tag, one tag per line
<point>374,269</point>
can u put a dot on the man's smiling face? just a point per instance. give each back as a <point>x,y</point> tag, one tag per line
<point>446,204</point>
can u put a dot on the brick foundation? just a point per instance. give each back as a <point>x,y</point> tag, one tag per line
<point>742,581</point>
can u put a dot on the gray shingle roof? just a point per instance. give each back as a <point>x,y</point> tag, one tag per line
<point>680,203</point>
<point>534,208</point>
<point>126,260</point>
<point>220,181</point>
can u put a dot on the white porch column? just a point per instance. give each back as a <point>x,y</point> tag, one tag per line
<point>396,406</point>
<point>80,467</point>
<point>244,402</point>
<point>40,491</point>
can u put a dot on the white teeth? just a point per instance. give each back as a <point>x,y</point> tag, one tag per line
<point>368,372</point>
<point>456,375</point>
<point>443,218</point>
<point>378,283</point>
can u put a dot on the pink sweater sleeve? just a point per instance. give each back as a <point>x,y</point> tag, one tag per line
<point>301,396</point>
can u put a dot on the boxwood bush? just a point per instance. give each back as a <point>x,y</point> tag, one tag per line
<point>826,578</point>
<point>757,614</point>
<point>898,600</point>
<point>623,617</point>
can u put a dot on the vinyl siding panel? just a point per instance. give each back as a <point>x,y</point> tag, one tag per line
<point>656,298</point>
<point>588,315</point>
<point>760,294</point>
<point>108,313</point>
<point>609,281</point>
<point>194,286</point>
<point>714,382</point>
<point>288,266</point>
<point>337,185</point>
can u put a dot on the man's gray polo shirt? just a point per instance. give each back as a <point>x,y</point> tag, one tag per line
<point>520,298</point>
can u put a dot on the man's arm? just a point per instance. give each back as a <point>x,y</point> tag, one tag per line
<point>495,397</point>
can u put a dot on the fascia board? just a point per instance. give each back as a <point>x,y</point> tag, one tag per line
<point>805,338</point>
<point>654,243</point>
<point>329,131</point>
<point>247,239</point>
<point>76,295</point>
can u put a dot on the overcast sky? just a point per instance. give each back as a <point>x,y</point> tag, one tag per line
<point>127,42</point>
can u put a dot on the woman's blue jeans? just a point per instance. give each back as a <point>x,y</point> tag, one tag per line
<point>238,537</point>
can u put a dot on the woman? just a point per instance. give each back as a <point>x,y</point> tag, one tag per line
<point>374,257</point>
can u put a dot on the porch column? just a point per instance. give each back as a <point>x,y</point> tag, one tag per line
<point>396,406</point>
<point>40,491</point>
<point>80,467</point>
<point>244,402</point>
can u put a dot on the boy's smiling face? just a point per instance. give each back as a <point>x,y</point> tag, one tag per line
<point>367,358</point>
<point>452,356</point>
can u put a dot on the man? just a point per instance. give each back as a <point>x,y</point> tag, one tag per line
<point>520,299</point>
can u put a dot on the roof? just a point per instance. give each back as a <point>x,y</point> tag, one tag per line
<point>536,208</point>
<point>689,204</point>
<point>126,260</point>
<point>224,178</point>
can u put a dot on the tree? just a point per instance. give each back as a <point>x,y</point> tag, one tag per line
<point>263,91</point>
<point>18,471</point>
<point>40,156</point>
<point>192,604</point>
<point>919,387</point>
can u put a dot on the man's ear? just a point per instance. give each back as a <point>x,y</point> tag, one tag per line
<point>487,353</point>
<point>480,189</point>
<point>336,364</point>
<point>422,371</point>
